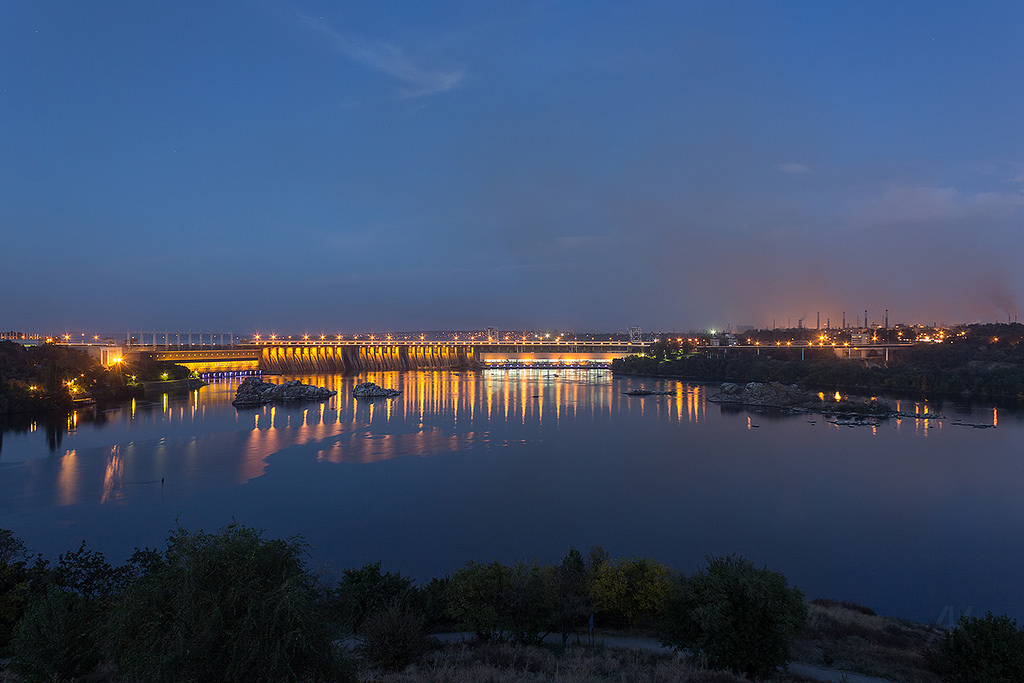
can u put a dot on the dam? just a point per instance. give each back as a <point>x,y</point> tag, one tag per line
<point>351,356</point>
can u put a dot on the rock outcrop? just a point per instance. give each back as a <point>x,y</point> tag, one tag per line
<point>790,397</point>
<point>253,392</point>
<point>371,390</point>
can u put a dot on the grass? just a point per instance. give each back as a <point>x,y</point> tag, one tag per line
<point>839,636</point>
<point>506,663</point>
<point>854,638</point>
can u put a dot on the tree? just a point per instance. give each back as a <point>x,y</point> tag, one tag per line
<point>631,590</point>
<point>365,590</point>
<point>570,598</point>
<point>230,606</point>
<point>59,635</point>
<point>498,602</point>
<point>735,616</point>
<point>14,583</point>
<point>989,648</point>
<point>474,598</point>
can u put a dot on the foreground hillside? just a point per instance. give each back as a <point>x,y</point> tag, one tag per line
<point>841,642</point>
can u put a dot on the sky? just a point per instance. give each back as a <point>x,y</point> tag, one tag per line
<point>258,166</point>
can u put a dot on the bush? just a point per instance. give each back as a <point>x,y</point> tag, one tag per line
<point>630,590</point>
<point>393,635</point>
<point>571,602</point>
<point>366,590</point>
<point>983,649</point>
<point>735,616</point>
<point>14,583</point>
<point>57,637</point>
<point>229,606</point>
<point>498,602</point>
<point>474,598</point>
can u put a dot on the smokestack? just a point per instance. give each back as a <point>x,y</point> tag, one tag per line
<point>818,324</point>
<point>866,318</point>
<point>844,320</point>
<point>887,318</point>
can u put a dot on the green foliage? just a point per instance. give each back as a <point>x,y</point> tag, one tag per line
<point>393,635</point>
<point>230,606</point>
<point>735,616</point>
<point>498,602</point>
<point>88,574</point>
<point>570,597</point>
<point>474,597</point>
<point>630,590</point>
<point>526,603</point>
<point>990,649</point>
<point>365,590</point>
<point>14,583</point>
<point>149,370</point>
<point>57,638</point>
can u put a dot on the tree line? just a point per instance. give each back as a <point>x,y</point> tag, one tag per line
<point>985,361</point>
<point>50,377</point>
<point>236,606</point>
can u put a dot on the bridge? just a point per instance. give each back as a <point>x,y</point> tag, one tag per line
<point>353,356</point>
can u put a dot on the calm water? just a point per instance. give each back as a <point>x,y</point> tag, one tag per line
<point>915,518</point>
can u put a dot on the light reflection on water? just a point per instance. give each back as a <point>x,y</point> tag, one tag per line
<point>909,516</point>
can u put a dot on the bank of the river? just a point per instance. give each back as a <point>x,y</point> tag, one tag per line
<point>841,642</point>
<point>171,386</point>
<point>920,374</point>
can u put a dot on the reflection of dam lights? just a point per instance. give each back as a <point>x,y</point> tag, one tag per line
<point>67,479</point>
<point>112,475</point>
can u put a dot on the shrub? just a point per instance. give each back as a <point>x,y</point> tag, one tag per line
<point>366,590</point>
<point>474,597</point>
<point>630,590</point>
<point>14,583</point>
<point>229,606</point>
<point>498,602</point>
<point>56,638</point>
<point>393,635</point>
<point>735,616</point>
<point>526,604</point>
<point>571,599</point>
<point>988,648</point>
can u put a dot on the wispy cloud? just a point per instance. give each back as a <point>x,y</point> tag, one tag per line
<point>794,168</point>
<point>416,80</point>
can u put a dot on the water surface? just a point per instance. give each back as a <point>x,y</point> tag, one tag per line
<point>915,518</point>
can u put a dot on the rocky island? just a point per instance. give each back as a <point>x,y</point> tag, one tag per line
<point>254,392</point>
<point>371,390</point>
<point>791,398</point>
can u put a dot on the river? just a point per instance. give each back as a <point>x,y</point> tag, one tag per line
<point>915,518</point>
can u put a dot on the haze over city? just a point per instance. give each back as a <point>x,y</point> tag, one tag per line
<point>341,166</point>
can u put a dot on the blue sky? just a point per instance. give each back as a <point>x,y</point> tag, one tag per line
<point>354,166</point>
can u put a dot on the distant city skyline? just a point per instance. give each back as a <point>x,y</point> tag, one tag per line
<point>349,167</point>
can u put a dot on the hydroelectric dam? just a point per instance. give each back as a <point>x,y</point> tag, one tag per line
<point>351,356</point>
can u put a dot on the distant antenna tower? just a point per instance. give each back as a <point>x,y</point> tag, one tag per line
<point>635,336</point>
